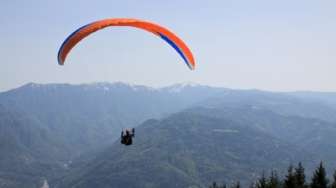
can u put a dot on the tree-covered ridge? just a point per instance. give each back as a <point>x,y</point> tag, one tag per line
<point>224,134</point>
<point>295,178</point>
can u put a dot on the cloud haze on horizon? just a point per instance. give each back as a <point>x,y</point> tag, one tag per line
<point>271,45</point>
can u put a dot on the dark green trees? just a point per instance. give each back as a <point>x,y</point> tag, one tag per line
<point>319,179</point>
<point>289,181</point>
<point>295,178</point>
<point>215,185</point>
<point>299,176</point>
<point>333,185</point>
<point>274,181</point>
<point>262,182</point>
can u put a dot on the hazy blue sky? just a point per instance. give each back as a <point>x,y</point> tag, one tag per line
<point>275,45</point>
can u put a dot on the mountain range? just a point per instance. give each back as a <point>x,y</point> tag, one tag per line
<point>187,135</point>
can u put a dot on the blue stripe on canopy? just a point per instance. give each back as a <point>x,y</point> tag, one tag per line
<point>66,40</point>
<point>172,44</point>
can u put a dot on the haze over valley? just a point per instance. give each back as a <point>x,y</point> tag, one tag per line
<point>187,135</point>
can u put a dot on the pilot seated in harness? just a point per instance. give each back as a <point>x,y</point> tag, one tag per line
<point>126,136</point>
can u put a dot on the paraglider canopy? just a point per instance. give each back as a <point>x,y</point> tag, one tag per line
<point>168,36</point>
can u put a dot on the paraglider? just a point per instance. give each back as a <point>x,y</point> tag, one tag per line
<point>173,40</point>
<point>168,36</point>
<point>127,136</point>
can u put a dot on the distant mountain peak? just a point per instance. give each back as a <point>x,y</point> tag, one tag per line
<point>104,86</point>
<point>176,88</point>
<point>34,86</point>
<point>186,84</point>
<point>107,86</point>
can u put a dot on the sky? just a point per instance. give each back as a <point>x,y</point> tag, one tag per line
<point>241,44</point>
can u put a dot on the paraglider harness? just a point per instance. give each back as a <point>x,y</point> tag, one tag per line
<point>126,136</point>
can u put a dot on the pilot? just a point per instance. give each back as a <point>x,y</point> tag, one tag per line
<point>127,137</point>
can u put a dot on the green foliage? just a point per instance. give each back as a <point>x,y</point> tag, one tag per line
<point>295,178</point>
<point>236,185</point>
<point>271,182</point>
<point>300,177</point>
<point>262,182</point>
<point>215,185</point>
<point>333,185</point>
<point>319,179</point>
<point>274,181</point>
<point>289,181</point>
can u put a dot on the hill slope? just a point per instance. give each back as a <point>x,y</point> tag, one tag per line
<point>44,128</point>
<point>190,149</point>
<point>28,151</point>
<point>47,129</point>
